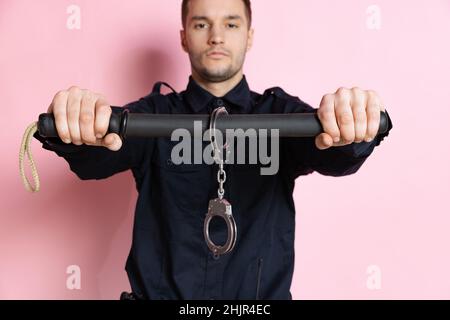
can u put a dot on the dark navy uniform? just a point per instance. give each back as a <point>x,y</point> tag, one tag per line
<point>169,258</point>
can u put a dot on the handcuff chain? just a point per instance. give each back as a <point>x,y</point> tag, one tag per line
<point>217,153</point>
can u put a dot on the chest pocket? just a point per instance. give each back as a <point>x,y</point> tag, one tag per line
<point>186,184</point>
<point>163,157</point>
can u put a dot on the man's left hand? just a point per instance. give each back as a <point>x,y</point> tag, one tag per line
<point>347,116</point>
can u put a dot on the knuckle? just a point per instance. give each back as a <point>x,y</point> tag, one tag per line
<point>88,138</point>
<point>345,118</point>
<point>104,110</point>
<point>360,116</point>
<point>358,96</point>
<point>74,133</point>
<point>342,91</point>
<point>327,100</point>
<point>325,114</point>
<point>343,98</point>
<point>328,97</point>
<point>73,111</point>
<point>373,113</point>
<point>88,95</point>
<point>101,129</point>
<point>59,95</point>
<point>99,96</point>
<point>86,117</point>
<point>89,105</point>
<point>372,96</point>
<point>357,92</point>
<point>71,88</point>
<point>74,90</point>
<point>57,112</point>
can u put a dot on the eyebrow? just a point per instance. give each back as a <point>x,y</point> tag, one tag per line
<point>229,17</point>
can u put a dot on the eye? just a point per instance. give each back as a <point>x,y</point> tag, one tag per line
<point>200,26</point>
<point>233,26</point>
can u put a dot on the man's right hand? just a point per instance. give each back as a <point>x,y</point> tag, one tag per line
<point>82,117</point>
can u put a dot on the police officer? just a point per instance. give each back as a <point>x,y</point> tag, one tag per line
<point>169,258</point>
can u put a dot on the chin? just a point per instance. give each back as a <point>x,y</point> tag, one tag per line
<point>216,70</point>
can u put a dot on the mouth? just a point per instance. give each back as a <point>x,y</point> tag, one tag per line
<point>217,54</point>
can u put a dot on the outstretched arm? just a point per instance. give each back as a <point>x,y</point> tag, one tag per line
<point>350,119</point>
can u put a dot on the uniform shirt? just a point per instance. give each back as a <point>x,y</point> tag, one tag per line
<point>169,258</point>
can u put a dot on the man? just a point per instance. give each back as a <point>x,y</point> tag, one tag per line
<point>169,258</point>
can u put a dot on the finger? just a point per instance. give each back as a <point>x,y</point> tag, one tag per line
<point>102,116</point>
<point>358,105</point>
<point>373,109</point>
<point>59,110</point>
<point>73,114</point>
<point>327,117</point>
<point>87,115</point>
<point>344,115</point>
<point>112,141</point>
<point>324,141</point>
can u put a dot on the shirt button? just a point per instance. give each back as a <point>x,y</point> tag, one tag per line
<point>219,102</point>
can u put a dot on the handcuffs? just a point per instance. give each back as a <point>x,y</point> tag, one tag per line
<point>219,207</point>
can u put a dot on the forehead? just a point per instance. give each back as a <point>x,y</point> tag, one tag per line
<point>216,9</point>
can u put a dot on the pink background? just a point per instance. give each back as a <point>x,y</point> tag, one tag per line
<point>394,213</point>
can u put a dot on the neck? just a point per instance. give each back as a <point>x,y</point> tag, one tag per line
<point>218,89</point>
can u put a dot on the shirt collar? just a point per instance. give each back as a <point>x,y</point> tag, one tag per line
<point>238,98</point>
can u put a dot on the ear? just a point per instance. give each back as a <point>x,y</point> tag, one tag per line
<point>251,33</point>
<point>183,40</point>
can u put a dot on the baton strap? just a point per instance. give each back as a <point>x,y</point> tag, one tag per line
<point>25,149</point>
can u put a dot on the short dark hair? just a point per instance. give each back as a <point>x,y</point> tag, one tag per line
<point>184,12</point>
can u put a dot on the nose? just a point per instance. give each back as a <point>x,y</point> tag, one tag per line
<point>216,36</point>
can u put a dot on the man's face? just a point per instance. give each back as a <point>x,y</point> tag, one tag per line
<point>216,26</point>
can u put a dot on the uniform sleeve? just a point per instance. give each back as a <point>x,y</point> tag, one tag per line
<point>302,157</point>
<point>92,162</point>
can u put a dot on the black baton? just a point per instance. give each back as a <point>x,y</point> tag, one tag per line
<point>127,124</point>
